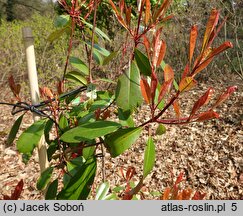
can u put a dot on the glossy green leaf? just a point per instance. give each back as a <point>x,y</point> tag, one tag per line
<point>121,140</point>
<point>30,138</point>
<point>52,190</point>
<point>73,167</point>
<point>102,191</point>
<point>125,118</point>
<point>88,152</point>
<point>14,130</point>
<point>128,93</point>
<point>53,146</point>
<point>98,57</point>
<point>161,129</point>
<point>63,123</point>
<point>109,58</point>
<point>44,178</point>
<point>97,31</point>
<point>79,186</point>
<point>101,50</point>
<point>142,63</point>
<point>89,131</point>
<point>79,64</point>
<point>77,77</point>
<point>149,157</point>
<point>61,21</point>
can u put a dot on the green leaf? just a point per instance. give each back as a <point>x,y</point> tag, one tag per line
<point>53,146</point>
<point>109,58</point>
<point>73,167</point>
<point>161,129</point>
<point>58,33</point>
<point>14,130</point>
<point>121,140</point>
<point>175,85</point>
<point>125,118</point>
<point>111,196</point>
<point>79,186</point>
<point>63,123</point>
<point>97,30</point>
<point>149,157</point>
<point>44,178</point>
<point>79,64</point>
<point>77,77</point>
<point>61,21</point>
<point>99,49</point>
<point>118,189</point>
<point>88,152</point>
<point>98,57</point>
<point>48,127</point>
<point>128,94</point>
<point>102,191</point>
<point>163,64</point>
<point>89,131</point>
<point>30,138</point>
<point>52,190</point>
<point>143,63</point>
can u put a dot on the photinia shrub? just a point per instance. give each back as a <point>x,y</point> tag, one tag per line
<point>77,123</point>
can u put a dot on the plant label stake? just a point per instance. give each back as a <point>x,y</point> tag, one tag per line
<point>34,90</point>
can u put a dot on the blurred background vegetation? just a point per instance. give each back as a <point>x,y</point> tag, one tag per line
<point>50,57</point>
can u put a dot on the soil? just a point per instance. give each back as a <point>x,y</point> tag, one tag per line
<point>209,153</point>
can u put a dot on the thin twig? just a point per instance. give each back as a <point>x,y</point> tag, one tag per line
<point>92,41</point>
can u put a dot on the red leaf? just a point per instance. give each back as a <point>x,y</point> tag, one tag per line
<point>17,191</point>
<point>156,46</point>
<point>121,5</point>
<point>146,91</point>
<point>225,96</point>
<point>161,54</point>
<point>6,197</point>
<point>215,32</point>
<point>128,15</point>
<point>203,100</point>
<point>187,83</point>
<point>60,87</point>
<point>212,22</point>
<point>186,194</point>
<point>177,108</point>
<point>186,71</point>
<point>166,194</point>
<point>106,114</point>
<point>198,196</point>
<point>164,89</point>
<point>220,49</point>
<point>193,39</point>
<point>201,66</point>
<point>46,92</point>
<point>179,178</point>
<point>207,115</point>
<point>147,12</point>
<point>118,15</point>
<point>154,83</point>
<point>130,173</point>
<point>15,88</point>
<point>147,46</point>
<point>168,73</point>
<point>161,11</point>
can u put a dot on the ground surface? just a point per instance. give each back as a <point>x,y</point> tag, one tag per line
<point>210,154</point>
